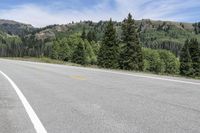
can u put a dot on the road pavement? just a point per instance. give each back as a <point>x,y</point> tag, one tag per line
<point>69,99</point>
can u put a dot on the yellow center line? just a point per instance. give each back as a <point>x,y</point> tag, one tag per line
<point>78,77</point>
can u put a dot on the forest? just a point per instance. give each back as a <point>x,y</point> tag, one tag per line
<point>146,45</point>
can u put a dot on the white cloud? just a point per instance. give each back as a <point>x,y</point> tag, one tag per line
<point>32,14</point>
<point>41,16</point>
<point>161,9</point>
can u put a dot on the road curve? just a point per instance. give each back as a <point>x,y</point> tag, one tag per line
<point>70,99</point>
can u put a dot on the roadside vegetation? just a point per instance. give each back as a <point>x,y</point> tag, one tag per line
<point>42,60</point>
<point>124,46</point>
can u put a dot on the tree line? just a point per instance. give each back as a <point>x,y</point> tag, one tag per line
<point>112,51</point>
<point>10,46</point>
<point>126,52</point>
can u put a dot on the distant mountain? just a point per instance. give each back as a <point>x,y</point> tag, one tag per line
<point>144,26</point>
<point>21,29</point>
<point>15,28</point>
<point>153,34</point>
<point>49,32</point>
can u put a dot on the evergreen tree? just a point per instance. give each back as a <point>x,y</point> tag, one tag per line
<point>131,57</point>
<point>90,56</point>
<point>109,51</point>
<point>194,49</point>
<point>55,50</point>
<point>79,55</point>
<point>64,51</point>
<point>83,35</point>
<point>185,60</point>
<point>91,36</point>
<point>95,46</point>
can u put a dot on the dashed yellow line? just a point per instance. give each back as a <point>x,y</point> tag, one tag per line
<point>78,77</point>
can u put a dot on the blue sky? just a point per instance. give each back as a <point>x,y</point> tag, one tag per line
<point>45,12</point>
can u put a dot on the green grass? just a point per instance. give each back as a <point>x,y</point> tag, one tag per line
<point>42,60</point>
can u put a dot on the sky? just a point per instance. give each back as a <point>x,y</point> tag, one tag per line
<point>41,13</point>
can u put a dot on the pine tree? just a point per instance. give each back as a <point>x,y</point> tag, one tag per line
<point>83,35</point>
<point>109,51</point>
<point>91,36</point>
<point>185,60</point>
<point>131,57</point>
<point>79,55</point>
<point>194,50</point>
<point>55,50</point>
<point>90,55</point>
<point>64,51</point>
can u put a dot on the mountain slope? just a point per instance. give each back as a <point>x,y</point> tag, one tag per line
<point>15,28</point>
<point>145,25</point>
<point>153,34</point>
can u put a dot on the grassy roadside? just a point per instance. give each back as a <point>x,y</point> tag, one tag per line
<point>41,59</point>
<point>52,61</point>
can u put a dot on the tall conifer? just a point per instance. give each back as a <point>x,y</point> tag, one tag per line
<point>109,51</point>
<point>131,57</point>
<point>185,60</point>
<point>194,49</point>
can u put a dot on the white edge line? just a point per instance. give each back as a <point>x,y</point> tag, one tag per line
<point>115,72</point>
<point>120,73</point>
<point>157,78</point>
<point>32,115</point>
<point>132,74</point>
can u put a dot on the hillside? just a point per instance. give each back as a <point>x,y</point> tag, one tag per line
<point>10,45</point>
<point>153,34</point>
<point>81,42</point>
<point>15,28</point>
<point>143,25</point>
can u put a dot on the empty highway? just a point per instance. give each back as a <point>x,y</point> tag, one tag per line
<point>39,98</point>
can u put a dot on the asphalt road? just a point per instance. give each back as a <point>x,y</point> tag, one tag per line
<point>79,100</point>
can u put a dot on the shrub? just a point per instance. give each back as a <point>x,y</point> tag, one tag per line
<point>152,61</point>
<point>171,63</point>
<point>160,61</point>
